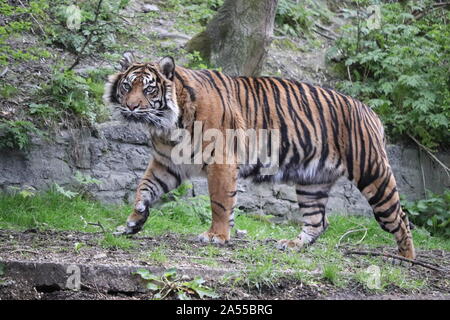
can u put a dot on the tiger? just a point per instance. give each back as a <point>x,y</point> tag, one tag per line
<point>323,135</point>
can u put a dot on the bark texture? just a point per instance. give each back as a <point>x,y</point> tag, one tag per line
<point>238,37</point>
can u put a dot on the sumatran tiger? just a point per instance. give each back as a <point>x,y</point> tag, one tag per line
<point>323,135</point>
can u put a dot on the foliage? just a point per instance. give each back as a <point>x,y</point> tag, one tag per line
<point>294,18</point>
<point>433,213</point>
<point>62,191</point>
<point>16,134</point>
<point>70,96</point>
<point>99,22</point>
<point>400,69</point>
<point>83,183</point>
<point>67,98</point>
<point>80,189</point>
<point>17,20</point>
<point>196,61</point>
<point>170,283</point>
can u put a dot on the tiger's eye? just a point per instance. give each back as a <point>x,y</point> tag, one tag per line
<point>150,90</point>
<point>126,86</point>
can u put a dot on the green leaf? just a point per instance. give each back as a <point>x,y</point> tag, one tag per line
<point>146,275</point>
<point>183,296</point>
<point>170,273</point>
<point>153,287</point>
<point>205,292</point>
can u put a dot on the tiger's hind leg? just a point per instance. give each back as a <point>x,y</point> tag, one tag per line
<point>312,200</point>
<point>383,196</point>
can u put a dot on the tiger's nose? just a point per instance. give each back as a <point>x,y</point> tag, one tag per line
<point>133,106</point>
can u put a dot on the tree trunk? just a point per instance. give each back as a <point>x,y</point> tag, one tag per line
<point>238,37</point>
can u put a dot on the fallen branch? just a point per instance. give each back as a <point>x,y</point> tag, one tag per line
<point>24,250</point>
<point>98,224</point>
<point>397,257</point>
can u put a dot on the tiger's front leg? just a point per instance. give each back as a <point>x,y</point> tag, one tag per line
<point>222,185</point>
<point>158,179</point>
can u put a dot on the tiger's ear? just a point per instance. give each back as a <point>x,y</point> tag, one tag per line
<point>127,60</point>
<point>167,66</point>
<point>110,92</point>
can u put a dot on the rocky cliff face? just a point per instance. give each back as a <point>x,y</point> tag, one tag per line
<point>117,154</point>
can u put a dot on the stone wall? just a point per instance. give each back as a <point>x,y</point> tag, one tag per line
<point>117,154</point>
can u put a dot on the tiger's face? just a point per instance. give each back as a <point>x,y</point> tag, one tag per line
<point>145,92</point>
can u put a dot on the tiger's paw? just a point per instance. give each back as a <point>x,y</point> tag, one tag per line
<point>289,244</point>
<point>209,237</point>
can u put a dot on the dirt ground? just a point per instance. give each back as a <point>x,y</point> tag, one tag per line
<point>29,261</point>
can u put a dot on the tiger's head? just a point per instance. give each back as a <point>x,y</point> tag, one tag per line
<point>145,92</point>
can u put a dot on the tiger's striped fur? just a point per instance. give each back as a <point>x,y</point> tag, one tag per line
<point>324,135</point>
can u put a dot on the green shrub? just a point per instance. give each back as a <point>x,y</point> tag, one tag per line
<point>433,213</point>
<point>294,18</point>
<point>70,96</point>
<point>16,134</point>
<point>400,69</point>
<point>100,24</point>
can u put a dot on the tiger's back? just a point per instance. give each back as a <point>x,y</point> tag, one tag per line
<point>321,130</point>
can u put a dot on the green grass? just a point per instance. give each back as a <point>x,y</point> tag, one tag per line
<point>51,210</point>
<point>158,255</point>
<point>110,241</point>
<point>331,272</point>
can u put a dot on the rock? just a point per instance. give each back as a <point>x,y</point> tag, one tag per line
<point>241,233</point>
<point>149,8</point>
<point>284,192</point>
